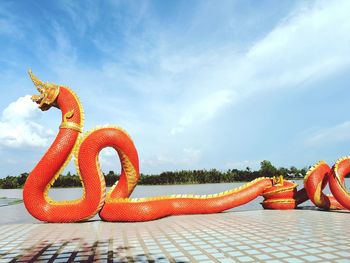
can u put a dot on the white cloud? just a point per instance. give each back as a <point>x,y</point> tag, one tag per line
<point>159,81</point>
<point>18,127</point>
<point>108,152</point>
<point>187,157</point>
<point>21,109</point>
<point>336,134</point>
<point>109,159</point>
<point>309,44</point>
<point>203,109</point>
<point>191,155</point>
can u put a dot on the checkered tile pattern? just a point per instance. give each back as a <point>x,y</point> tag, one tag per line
<point>263,236</point>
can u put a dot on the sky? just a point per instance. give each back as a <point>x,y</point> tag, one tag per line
<point>197,84</point>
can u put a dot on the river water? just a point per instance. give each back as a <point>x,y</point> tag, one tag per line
<point>18,214</point>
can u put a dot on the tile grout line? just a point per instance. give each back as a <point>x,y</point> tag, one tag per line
<point>162,248</point>
<point>188,240</point>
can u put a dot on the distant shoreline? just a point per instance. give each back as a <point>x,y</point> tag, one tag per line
<point>175,184</point>
<point>183,177</point>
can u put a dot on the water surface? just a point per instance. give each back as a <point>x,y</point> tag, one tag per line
<point>18,214</point>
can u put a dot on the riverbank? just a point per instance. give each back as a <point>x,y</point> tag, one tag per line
<point>110,182</point>
<point>174,177</point>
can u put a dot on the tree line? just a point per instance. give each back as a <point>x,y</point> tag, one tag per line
<point>177,177</point>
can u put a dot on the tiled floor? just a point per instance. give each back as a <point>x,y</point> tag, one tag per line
<point>268,236</point>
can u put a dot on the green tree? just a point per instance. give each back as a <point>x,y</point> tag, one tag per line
<point>9,182</point>
<point>22,179</point>
<point>284,172</point>
<point>267,169</point>
<point>293,172</point>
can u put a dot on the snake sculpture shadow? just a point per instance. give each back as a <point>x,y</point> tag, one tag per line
<point>115,205</point>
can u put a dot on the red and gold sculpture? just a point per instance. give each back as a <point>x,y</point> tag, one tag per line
<point>115,205</point>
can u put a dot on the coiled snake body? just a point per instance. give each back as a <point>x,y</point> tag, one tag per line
<point>116,204</point>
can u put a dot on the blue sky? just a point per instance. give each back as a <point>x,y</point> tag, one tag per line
<point>197,84</point>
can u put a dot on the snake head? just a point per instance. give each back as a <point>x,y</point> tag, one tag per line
<point>48,93</point>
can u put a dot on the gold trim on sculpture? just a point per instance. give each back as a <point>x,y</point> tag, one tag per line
<point>318,196</point>
<point>281,190</point>
<point>281,201</point>
<point>277,180</point>
<point>58,211</point>
<point>336,175</point>
<point>312,169</point>
<point>157,198</point>
<point>48,92</point>
<point>130,172</point>
<point>71,125</point>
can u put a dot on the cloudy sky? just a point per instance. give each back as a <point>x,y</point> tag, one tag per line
<point>197,84</point>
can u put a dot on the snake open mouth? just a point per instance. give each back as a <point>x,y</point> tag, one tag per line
<point>38,98</point>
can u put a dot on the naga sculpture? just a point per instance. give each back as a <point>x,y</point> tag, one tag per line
<point>115,205</point>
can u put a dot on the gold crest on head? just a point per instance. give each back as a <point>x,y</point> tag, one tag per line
<point>48,92</point>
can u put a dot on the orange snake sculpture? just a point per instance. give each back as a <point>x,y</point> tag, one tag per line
<point>115,205</point>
